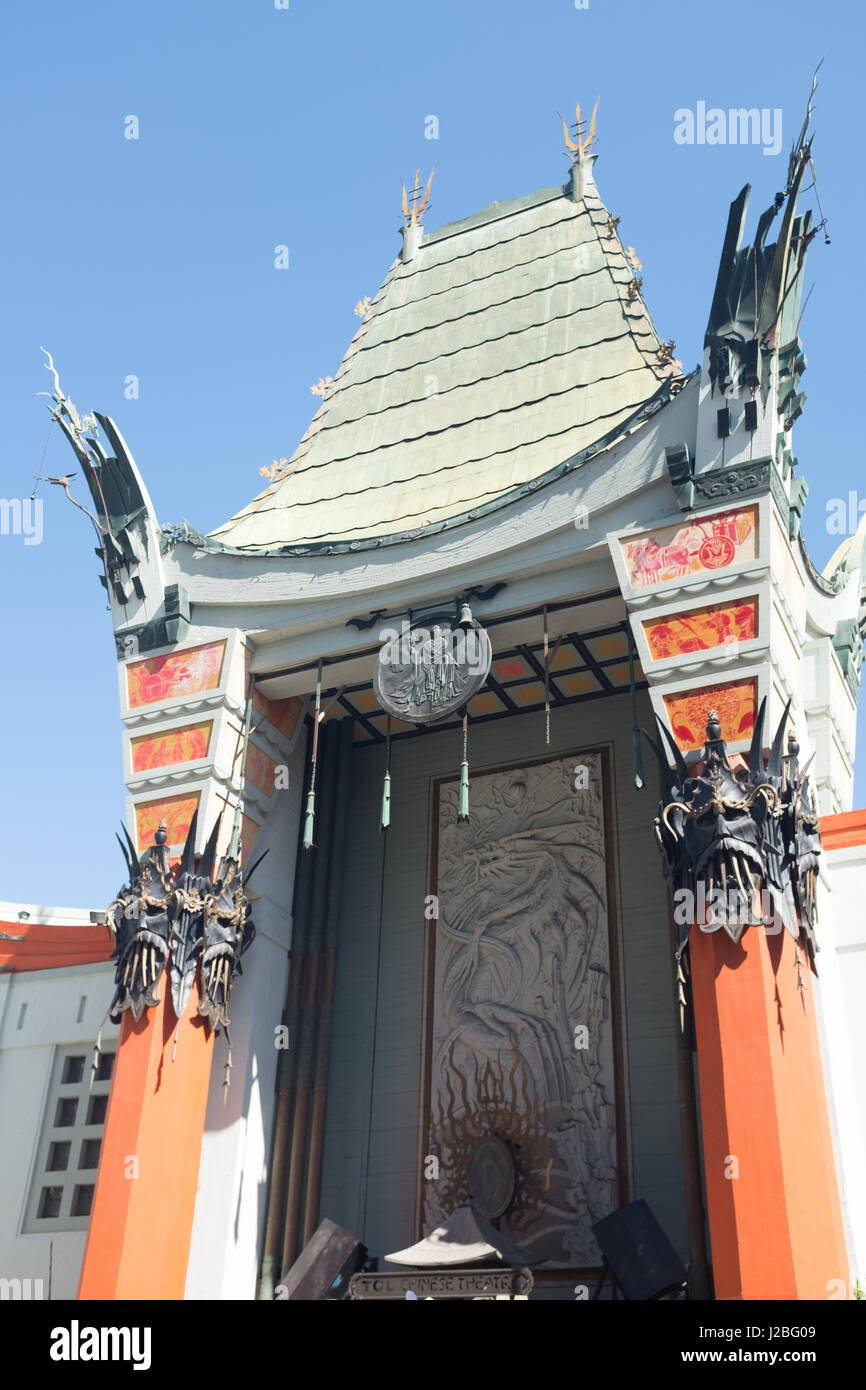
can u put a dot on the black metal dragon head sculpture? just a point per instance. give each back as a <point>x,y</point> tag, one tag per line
<point>740,845</point>
<point>199,915</point>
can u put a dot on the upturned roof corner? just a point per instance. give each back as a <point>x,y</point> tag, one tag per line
<point>756,307</point>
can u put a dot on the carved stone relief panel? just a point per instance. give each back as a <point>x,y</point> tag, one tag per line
<point>522,1042</point>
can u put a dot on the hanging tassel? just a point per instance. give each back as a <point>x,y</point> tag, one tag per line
<point>386,786</point>
<point>97,1047</point>
<point>463,798</point>
<point>234,850</point>
<point>309,818</point>
<point>310,814</point>
<point>637,752</point>
<point>546,679</point>
<point>227,1070</point>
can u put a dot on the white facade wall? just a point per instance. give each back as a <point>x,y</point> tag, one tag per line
<point>232,1194</point>
<point>27,1049</point>
<point>841,992</point>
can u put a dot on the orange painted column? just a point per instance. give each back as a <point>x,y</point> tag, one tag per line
<point>141,1221</point>
<point>772,1193</point>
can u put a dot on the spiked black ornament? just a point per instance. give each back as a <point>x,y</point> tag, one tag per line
<point>740,845</point>
<point>140,920</point>
<point>201,916</point>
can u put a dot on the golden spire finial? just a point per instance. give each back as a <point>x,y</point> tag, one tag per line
<point>577,148</point>
<point>413,205</point>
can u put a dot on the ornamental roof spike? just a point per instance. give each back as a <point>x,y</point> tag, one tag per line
<point>413,205</point>
<point>759,288</point>
<point>579,142</point>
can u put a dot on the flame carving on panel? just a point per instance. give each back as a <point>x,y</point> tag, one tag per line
<point>499,1100</point>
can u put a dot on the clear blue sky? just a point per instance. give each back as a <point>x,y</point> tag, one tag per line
<point>260,127</point>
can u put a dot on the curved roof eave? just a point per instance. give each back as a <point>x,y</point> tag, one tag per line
<point>671,387</point>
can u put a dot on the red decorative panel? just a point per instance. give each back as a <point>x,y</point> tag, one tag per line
<point>172,746</point>
<point>259,769</point>
<point>178,673</point>
<point>177,811</point>
<point>735,702</point>
<point>674,552</point>
<point>249,831</point>
<point>511,669</point>
<point>702,628</point>
<point>283,714</point>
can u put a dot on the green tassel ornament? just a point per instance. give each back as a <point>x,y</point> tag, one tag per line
<point>463,796</point>
<point>385,820</point>
<point>310,814</point>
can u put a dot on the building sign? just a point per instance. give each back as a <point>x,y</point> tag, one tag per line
<point>450,1283</point>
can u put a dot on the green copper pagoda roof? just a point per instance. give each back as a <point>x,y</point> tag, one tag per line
<point>504,345</point>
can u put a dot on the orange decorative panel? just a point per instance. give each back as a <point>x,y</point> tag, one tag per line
<point>674,552</point>
<point>380,722</point>
<point>604,648</point>
<point>581,683</point>
<point>178,673</point>
<point>178,812</point>
<point>702,628</point>
<point>532,694</point>
<point>283,714</point>
<point>621,674</point>
<point>249,831</point>
<point>735,702</point>
<point>485,704</point>
<point>173,746</point>
<point>259,769</point>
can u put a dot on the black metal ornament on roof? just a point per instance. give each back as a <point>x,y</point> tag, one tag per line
<point>740,844</point>
<point>431,669</point>
<point>198,919</point>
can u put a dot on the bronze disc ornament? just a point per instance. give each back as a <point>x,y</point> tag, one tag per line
<point>491,1174</point>
<point>429,670</point>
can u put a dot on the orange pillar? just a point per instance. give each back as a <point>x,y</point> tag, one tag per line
<point>141,1221</point>
<point>772,1193</point>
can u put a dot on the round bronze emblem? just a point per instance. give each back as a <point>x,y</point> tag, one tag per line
<point>492,1177</point>
<point>430,670</point>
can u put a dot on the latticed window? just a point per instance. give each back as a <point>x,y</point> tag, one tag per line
<point>64,1178</point>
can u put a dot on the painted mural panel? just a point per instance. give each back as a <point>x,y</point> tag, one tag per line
<point>187,672</point>
<point>182,745</point>
<point>522,1042</point>
<point>177,811</point>
<point>702,628</point>
<point>734,701</point>
<point>705,544</point>
<point>283,714</point>
<point>260,769</point>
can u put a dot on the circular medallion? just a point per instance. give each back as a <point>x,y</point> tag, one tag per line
<point>492,1177</point>
<point>429,671</point>
<point>717,552</point>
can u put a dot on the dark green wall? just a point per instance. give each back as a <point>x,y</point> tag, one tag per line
<point>378,1203</point>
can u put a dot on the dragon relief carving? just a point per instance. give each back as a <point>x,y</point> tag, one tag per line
<point>522,965</point>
